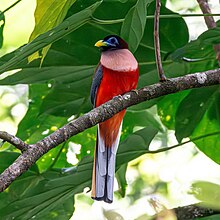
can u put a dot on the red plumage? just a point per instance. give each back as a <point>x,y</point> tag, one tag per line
<point>114,83</point>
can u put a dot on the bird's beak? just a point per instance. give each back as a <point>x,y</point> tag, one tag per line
<point>100,43</point>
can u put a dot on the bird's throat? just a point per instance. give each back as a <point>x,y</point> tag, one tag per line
<point>119,60</point>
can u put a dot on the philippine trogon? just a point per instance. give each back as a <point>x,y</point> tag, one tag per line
<point>116,74</point>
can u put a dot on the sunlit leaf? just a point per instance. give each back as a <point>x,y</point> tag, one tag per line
<point>133,26</point>
<point>48,14</point>
<point>208,193</point>
<point>59,74</point>
<point>66,27</point>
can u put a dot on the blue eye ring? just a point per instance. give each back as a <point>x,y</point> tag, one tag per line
<point>113,41</point>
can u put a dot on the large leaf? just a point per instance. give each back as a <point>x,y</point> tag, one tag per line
<point>208,193</point>
<point>48,14</point>
<point>192,109</point>
<point>76,99</point>
<point>60,74</point>
<point>137,143</point>
<point>133,26</point>
<point>209,124</point>
<point>201,48</point>
<point>66,27</point>
<point>38,200</point>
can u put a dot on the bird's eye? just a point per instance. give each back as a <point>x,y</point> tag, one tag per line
<point>113,40</point>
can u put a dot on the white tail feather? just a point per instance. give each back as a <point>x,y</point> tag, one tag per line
<point>105,168</point>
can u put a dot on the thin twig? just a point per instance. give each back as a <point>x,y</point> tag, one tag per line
<point>11,6</point>
<point>99,114</point>
<point>160,71</point>
<point>15,141</point>
<point>210,22</point>
<point>183,143</point>
<point>120,20</point>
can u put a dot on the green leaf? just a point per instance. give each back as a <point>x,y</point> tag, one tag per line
<point>61,100</point>
<point>192,109</point>
<point>132,29</point>
<point>66,27</point>
<point>208,193</point>
<point>48,14</point>
<point>137,143</point>
<point>168,106</point>
<point>2,24</point>
<point>67,100</point>
<point>210,123</point>
<point>7,158</point>
<point>59,74</point>
<point>34,127</point>
<point>49,191</point>
<point>201,48</point>
<point>38,200</point>
<point>139,119</point>
<point>121,179</point>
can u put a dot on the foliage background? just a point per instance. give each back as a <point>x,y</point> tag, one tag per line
<point>59,91</point>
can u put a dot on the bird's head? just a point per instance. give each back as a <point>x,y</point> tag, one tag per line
<point>111,42</point>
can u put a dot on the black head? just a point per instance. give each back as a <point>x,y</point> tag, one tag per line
<point>111,42</point>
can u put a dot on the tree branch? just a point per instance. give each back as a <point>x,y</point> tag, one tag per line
<point>33,152</point>
<point>210,22</point>
<point>160,71</point>
<point>15,141</point>
<point>194,211</point>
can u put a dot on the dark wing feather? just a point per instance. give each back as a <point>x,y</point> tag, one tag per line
<point>96,83</point>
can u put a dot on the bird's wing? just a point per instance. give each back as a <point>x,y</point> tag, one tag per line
<point>96,83</point>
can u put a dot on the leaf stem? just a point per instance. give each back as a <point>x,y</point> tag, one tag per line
<point>7,9</point>
<point>186,142</point>
<point>116,21</point>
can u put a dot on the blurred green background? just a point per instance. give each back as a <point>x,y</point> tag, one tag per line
<point>163,177</point>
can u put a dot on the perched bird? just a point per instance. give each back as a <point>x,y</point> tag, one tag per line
<point>116,74</point>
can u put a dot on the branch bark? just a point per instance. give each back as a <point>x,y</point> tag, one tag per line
<point>194,211</point>
<point>33,152</point>
<point>15,141</point>
<point>210,23</point>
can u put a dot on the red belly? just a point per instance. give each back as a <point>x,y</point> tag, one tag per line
<point>114,83</point>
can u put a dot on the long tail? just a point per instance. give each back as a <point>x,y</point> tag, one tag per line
<point>104,165</point>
